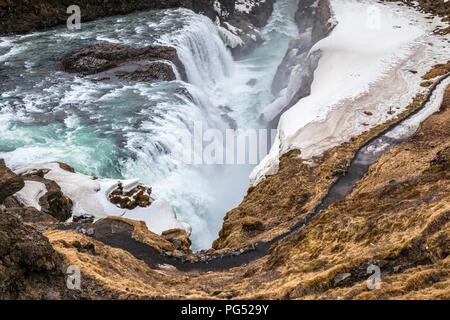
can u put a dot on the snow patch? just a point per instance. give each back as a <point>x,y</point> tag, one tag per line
<point>31,193</point>
<point>230,39</point>
<point>246,6</point>
<point>90,196</point>
<point>365,66</point>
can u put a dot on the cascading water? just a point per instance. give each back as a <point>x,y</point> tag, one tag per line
<point>128,130</point>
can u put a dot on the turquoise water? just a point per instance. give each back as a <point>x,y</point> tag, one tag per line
<point>127,130</point>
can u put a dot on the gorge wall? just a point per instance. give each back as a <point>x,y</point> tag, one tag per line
<point>294,76</point>
<point>27,15</point>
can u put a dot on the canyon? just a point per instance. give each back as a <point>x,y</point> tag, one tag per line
<point>365,185</point>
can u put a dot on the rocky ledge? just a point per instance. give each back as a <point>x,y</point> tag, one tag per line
<point>110,61</point>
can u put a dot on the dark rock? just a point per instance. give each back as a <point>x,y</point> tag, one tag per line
<point>157,71</point>
<point>86,248</point>
<point>206,7</point>
<point>85,218</point>
<point>313,25</point>
<point>249,34</point>
<point>294,75</point>
<point>105,56</point>
<point>261,12</point>
<point>10,183</point>
<point>251,82</point>
<point>21,16</point>
<point>441,162</point>
<point>31,215</point>
<point>29,266</point>
<point>108,227</point>
<point>11,202</point>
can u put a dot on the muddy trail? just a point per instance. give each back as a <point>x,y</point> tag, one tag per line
<point>366,155</point>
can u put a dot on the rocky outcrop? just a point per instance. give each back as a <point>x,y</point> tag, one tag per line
<point>294,76</point>
<point>139,196</point>
<point>111,61</point>
<point>179,238</point>
<point>21,16</point>
<point>29,266</point>
<point>10,183</point>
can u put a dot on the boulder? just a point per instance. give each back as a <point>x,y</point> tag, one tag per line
<point>157,71</point>
<point>10,183</point>
<point>250,36</point>
<point>137,64</point>
<point>341,277</point>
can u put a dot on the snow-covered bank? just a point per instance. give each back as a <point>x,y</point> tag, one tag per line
<point>370,70</point>
<point>90,196</point>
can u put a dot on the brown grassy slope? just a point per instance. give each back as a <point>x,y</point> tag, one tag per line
<point>397,218</point>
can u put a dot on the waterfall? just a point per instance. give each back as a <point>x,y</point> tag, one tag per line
<point>201,50</point>
<point>121,129</point>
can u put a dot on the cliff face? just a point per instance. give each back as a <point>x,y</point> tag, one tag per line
<point>23,16</point>
<point>294,75</point>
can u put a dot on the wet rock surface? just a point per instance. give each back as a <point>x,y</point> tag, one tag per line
<point>136,64</point>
